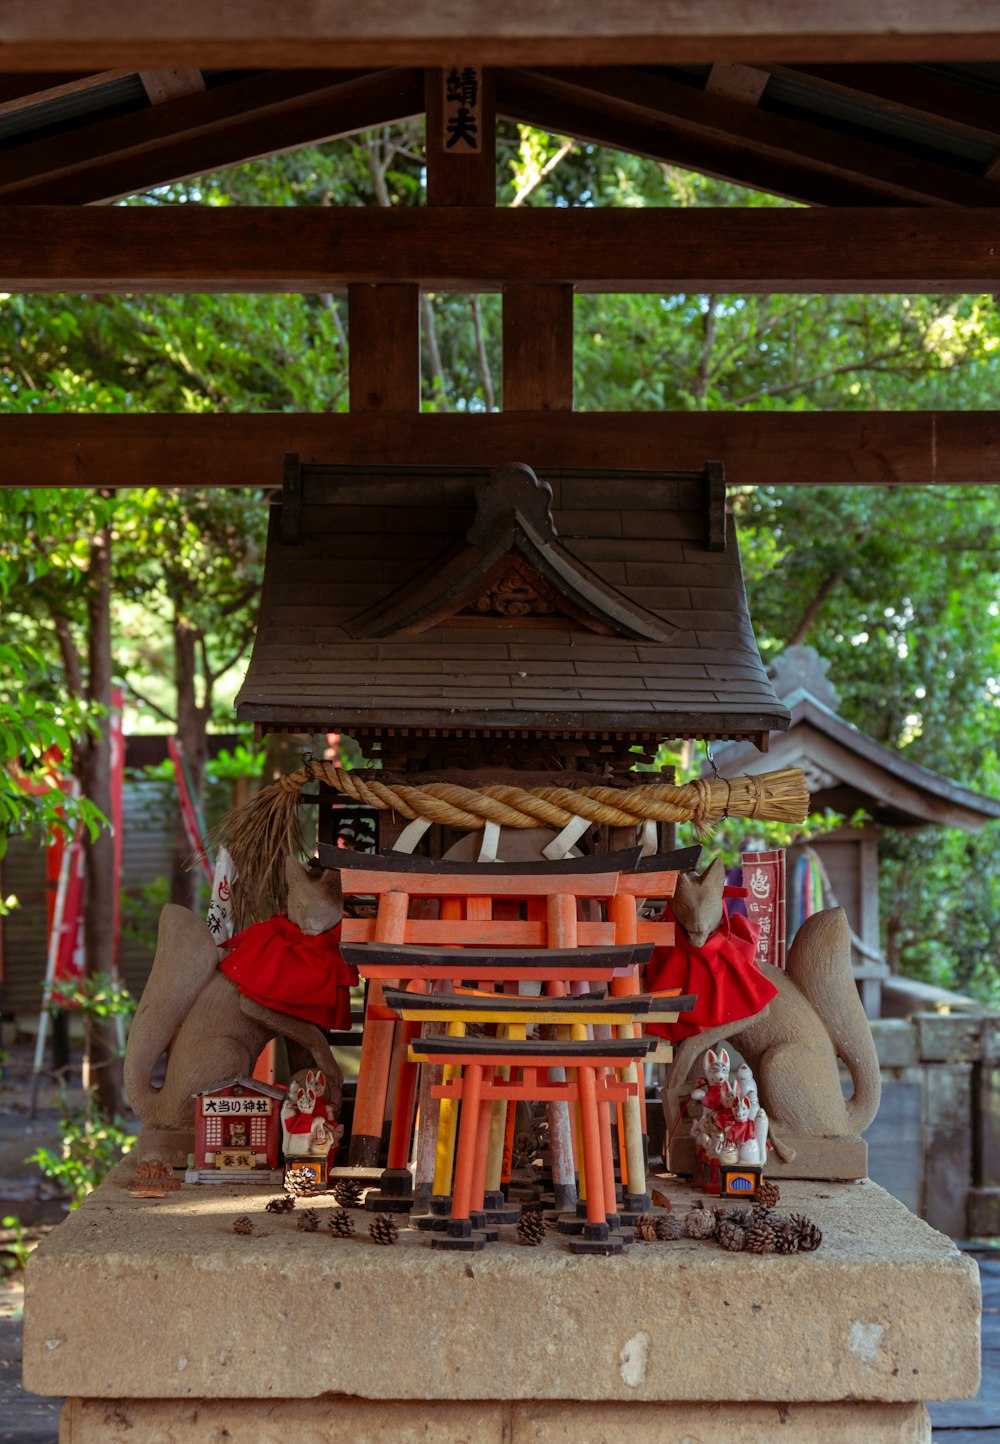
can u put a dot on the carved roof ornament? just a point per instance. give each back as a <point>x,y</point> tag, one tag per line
<point>801,671</point>
<point>511,569</point>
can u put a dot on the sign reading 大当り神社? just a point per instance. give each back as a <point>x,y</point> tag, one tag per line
<point>230,1106</point>
<point>764,881</point>
<point>462,122</point>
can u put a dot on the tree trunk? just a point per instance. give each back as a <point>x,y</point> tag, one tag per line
<point>192,724</point>
<point>95,775</point>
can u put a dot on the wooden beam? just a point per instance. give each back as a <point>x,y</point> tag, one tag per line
<point>307,249</point>
<point>202,131</point>
<point>798,448</point>
<point>161,85</point>
<point>688,122</point>
<point>21,92</point>
<point>524,96</point>
<point>63,34</point>
<point>737,82</point>
<point>383,333</point>
<point>457,173</point>
<point>538,348</point>
<point>907,90</point>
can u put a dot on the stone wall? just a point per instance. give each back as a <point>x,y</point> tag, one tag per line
<point>935,1144</point>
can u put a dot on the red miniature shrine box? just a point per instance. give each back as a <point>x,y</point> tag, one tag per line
<point>237,1132</point>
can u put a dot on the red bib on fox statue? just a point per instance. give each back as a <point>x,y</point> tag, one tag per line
<point>303,974</point>
<point>722,972</point>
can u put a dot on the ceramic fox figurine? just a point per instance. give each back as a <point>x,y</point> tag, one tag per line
<point>743,1128</point>
<point>305,1117</point>
<point>711,1093</point>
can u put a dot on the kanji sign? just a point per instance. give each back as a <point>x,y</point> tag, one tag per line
<point>219,1107</point>
<point>462,123</point>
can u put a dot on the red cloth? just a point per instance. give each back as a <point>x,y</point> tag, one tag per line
<point>303,974</point>
<point>722,972</point>
<point>742,1131</point>
<point>303,1122</point>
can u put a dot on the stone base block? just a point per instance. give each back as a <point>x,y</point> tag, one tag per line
<point>158,1299</point>
<point>387,1421</point>
<point>833,1159</point>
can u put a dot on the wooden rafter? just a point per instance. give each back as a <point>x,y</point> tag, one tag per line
<point>53,34</point>
<point>20,91</point>
<point>904,90</point>
<point>728,137</point>
<point>807,448</point>
<point>204,130</point>
<point>260,249</point>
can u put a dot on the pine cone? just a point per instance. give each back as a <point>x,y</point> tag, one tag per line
<point>349,1192</point>
<point>284,1204</point>
<point>301,1183</point>
<point>383,1229</point>
<point>531,1227</point>
<point>699,1223</point>
<point>309,1221</point>
<point>340,1223</point>
<point>741,1217</point>
<point>786,1236</point>
<point>769,1193</point>
<point>760,1237</point>
<point>810,1236</point>
<point>731,1236</point>
<point>243,1224</point>
<point>669,1227</point>
<point>645,1228</point>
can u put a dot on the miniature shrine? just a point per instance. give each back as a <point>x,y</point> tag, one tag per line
<point>237,1132</point>
<point>509,613</point>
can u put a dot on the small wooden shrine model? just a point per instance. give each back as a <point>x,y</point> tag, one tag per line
<point>237,1133</point>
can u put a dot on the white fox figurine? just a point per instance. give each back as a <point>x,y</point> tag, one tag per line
<point>710,1093</point>
<point>305,1114</point>
<point>743,1127</point>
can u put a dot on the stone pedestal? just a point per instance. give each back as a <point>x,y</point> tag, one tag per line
<point>160,1322</point>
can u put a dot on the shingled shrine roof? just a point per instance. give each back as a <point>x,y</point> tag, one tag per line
<point>459,601</point>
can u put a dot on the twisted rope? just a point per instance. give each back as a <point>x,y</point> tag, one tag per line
<point>264,830</point>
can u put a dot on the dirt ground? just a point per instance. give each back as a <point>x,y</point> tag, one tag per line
<point>37,1204</point>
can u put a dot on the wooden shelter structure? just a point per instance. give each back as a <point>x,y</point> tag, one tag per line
<point>881,120</point>
<point>848,771</point>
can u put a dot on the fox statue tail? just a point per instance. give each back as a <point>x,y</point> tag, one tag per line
<point>186,958</point>
<point>819,963</point>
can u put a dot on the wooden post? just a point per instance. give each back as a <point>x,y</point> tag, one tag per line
<point>622,911</point>
<point>461,149</point>
<point>376,1045</point>
<point>561,933</point>
<point>537,348</point>
<point>384,347</point>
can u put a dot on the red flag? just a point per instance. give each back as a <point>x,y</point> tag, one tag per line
<point>764,883</point>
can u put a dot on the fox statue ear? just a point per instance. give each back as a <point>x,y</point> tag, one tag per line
<point>710,1057</point>
<point>724,1057</point>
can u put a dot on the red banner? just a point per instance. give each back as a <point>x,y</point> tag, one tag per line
<point>764,883</point>
<point>193,827</point>
<point>64,878</point>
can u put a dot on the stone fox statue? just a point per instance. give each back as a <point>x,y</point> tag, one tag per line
<point>208,1027</point>
<point>793,1042</point>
